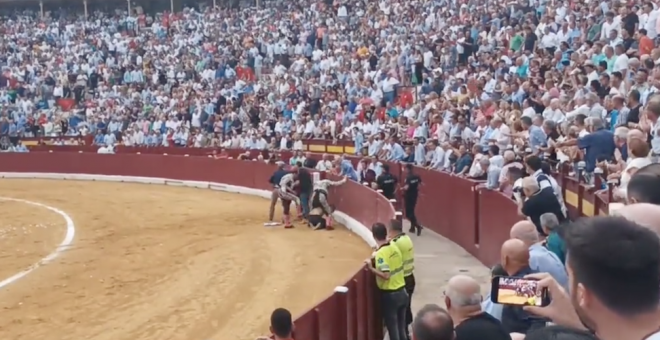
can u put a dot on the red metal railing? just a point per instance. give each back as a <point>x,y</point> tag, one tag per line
<point>476,219</point>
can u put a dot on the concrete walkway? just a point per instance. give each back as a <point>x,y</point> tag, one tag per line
<point>436,260</point>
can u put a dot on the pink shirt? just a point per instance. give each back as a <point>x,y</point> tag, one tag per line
<point>411,131</point>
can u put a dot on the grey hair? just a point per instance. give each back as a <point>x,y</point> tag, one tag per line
<point>596,122</point>
<point>461,300</point>
<point>550,124</point>
<point>549,221</point>
<point>484,161</point>
<point>621,132</point>
<point>531,184</point>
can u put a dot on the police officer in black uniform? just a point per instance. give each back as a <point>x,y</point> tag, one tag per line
<point>387,182</point>
<point>410,194</point>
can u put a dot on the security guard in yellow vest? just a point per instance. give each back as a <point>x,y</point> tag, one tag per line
<point>405,245</point>
<point>388,267</point>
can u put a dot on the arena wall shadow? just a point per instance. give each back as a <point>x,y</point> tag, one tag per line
<point>351,314</point>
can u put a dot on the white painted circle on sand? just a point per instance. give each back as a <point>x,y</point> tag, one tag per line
<point>65,244</point>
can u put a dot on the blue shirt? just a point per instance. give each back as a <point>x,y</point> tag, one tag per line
<point>537,138</point>
<point>277,177</point>
<point>397,152</point>
<point>463,162</point>
<point>98,139</point>
<point>614,117</point>
<point>543,260</point>
<point>348,170</point>
<point>485,137</point>
<point>493,177</point>
<point>358,142</point>
<point>494,309</point>
<point>598,145</point>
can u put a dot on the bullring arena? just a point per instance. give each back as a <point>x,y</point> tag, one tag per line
<point>156,262</point>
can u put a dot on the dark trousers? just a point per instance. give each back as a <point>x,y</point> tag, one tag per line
<point>395,304</point>
<point>410,289</point>
<point>410,202</point>
<point>304,201</point>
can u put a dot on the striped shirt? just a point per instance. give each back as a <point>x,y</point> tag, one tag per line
<point>546,183</point>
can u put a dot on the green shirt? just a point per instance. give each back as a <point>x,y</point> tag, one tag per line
<point>555,244</point>
<point>516,42</point>
<point>593,31</point>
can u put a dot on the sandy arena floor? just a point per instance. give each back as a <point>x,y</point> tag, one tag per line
<point>154,262</point>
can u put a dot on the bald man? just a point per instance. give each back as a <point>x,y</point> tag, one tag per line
<point>515,261</point>
<point>432,323</point>
<point>463,301</point>
<point>541,259</point>
<point>645,214</point>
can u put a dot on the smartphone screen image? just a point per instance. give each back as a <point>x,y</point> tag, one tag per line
<point>516,291</point>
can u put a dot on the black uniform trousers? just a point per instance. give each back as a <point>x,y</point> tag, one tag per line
<point>410,289</point>
<point>410,202</point>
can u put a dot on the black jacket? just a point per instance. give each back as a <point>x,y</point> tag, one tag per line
<point>305,180</point>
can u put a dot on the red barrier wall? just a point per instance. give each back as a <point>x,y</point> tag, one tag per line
<point>340,316</point>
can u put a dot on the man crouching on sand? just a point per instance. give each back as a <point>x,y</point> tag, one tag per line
<point>320,215</point>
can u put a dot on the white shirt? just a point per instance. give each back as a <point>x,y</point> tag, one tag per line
<point>554,115</point>
<point>389,83</point>
<point>104,150</point>
<point>608,27</point>
<point>649,24</point>
<point>549,40</point>
<point>633,163</point>
<point>621,63</point>
<point>501,135</point>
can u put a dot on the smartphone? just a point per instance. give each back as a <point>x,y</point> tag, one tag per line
<point>517,291</point>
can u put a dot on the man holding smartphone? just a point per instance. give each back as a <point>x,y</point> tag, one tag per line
<point>515,261</point>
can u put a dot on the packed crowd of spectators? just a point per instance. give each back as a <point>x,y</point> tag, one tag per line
<point>463,86</point>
